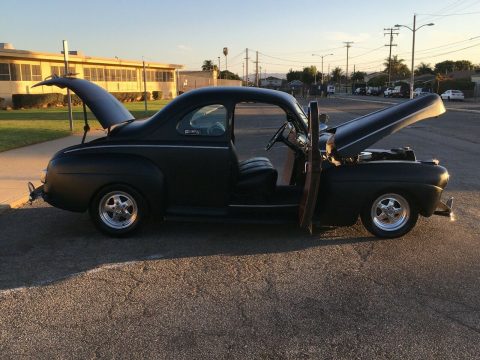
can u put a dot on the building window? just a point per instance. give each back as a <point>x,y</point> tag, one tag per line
<point>60,70</point>
<point>36,73</point>
<point>100,74</point>
<point>4,72</point>
<point>15,72</point>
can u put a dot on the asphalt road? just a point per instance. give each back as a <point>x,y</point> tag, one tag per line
<point>213,291</point>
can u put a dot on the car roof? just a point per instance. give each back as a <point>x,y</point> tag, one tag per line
<point>221,93</point>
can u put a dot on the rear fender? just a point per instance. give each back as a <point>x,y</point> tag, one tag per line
<point>73,181</point>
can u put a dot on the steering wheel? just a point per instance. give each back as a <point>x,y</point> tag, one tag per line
<point>278,135</point>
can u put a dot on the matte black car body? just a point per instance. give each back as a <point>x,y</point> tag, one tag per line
<point>180,175</point>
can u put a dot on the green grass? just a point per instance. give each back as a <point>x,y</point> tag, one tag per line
<point>30,126</point>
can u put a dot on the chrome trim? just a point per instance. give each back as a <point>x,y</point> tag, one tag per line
<point>145,146</point>
<point>263,206</point>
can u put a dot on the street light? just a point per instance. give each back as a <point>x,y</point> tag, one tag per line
<point>413,30</point>
<point>322,56</point>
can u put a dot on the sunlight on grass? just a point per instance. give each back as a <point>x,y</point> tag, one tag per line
<point>30,126</point>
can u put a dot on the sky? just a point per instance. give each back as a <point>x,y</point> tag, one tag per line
<point>285,33</point>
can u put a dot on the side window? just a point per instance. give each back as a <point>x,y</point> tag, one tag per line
<point>208,120</point>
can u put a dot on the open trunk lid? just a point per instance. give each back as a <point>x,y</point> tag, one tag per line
<point>108,110</point>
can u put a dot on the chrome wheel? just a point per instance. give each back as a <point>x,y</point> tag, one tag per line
<point>118,210</point>
<point>390,212</point>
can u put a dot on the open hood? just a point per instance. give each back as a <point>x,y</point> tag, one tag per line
<point>108,110</point>
<point>354,136</point>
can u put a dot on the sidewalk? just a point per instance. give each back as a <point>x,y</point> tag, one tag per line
<point>19,166</point>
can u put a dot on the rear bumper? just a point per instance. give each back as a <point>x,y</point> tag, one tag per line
<point>36,193</point>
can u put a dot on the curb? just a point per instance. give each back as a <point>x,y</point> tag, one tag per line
<point>14,204</point>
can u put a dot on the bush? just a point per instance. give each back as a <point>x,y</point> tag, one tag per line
<point>36,100</point>
<point>129,96</point>
<point>75,99</point>
<point>157,95</point>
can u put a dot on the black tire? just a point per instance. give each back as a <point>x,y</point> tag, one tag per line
<point>118,210</point>
<point>397,217</point>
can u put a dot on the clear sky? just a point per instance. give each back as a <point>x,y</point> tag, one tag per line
<point>285,32</point>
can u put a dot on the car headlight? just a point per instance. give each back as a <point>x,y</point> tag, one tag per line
<point>43,176</point>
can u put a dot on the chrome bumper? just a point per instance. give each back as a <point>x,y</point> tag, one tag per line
<point>445,209</point>
<point>35,193</point>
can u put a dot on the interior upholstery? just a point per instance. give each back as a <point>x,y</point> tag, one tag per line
<point>256,176</point>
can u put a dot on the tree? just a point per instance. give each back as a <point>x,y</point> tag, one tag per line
<point>308,74</point>
<point>208,65</point>
<point>225,74</point>
<point>423,69</point>
<point>447,66</point>
<point>337,74</point>
<point>294,75</point>
<point>358,76</point>
<point>379,80</point>
<point>399,69</point>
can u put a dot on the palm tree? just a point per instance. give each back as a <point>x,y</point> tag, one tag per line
<point>423,68</point>
<point>398,69</point>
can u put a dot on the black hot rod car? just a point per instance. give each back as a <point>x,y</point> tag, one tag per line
<point>182,162</point>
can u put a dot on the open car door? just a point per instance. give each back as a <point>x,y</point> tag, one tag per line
<point>313,168</point>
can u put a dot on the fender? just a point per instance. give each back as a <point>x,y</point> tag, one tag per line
<point>346,189</point>
<point>72,181</point>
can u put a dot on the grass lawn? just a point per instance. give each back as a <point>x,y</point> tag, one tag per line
<point>30,126</point>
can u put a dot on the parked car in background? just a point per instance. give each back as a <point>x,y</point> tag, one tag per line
<point>453,95</point>
<point>388,92</point>
<point>401,91</point>
<point>360,91</point>
<point>421,91</point>
<point>330,89</point>
<point>373,90</point>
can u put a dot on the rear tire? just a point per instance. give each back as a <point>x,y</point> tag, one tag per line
<point>389,215</point>
<point>118,210</point>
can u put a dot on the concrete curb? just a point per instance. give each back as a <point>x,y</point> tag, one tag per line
<point>15,204</point>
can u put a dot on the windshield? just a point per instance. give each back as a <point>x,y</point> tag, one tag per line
<point>302,115</point>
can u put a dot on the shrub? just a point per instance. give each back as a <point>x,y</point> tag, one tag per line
<point>36,100</point>
<point>129,96</point>
<point>75,100</point>
<point>157,95</point>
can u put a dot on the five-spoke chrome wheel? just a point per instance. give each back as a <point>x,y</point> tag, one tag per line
<point>389,215</point>
<point>390,212</point>
<point>118,209</point>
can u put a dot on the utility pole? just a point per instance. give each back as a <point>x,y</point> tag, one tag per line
<point>246,67</point>
<point>69,97</point>
<point>144,85</point>
<point>348,46</point>
<point>256,69</point>
<point>391,33</point>
<point>243,71</point>
<point>260,81</point>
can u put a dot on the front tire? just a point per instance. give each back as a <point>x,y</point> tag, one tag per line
<point>389,215</point>
<point>118,210</point>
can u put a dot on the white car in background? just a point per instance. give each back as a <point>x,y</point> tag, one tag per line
<point>452,95</point>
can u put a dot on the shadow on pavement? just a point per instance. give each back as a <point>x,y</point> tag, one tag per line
<point>42,245</point>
